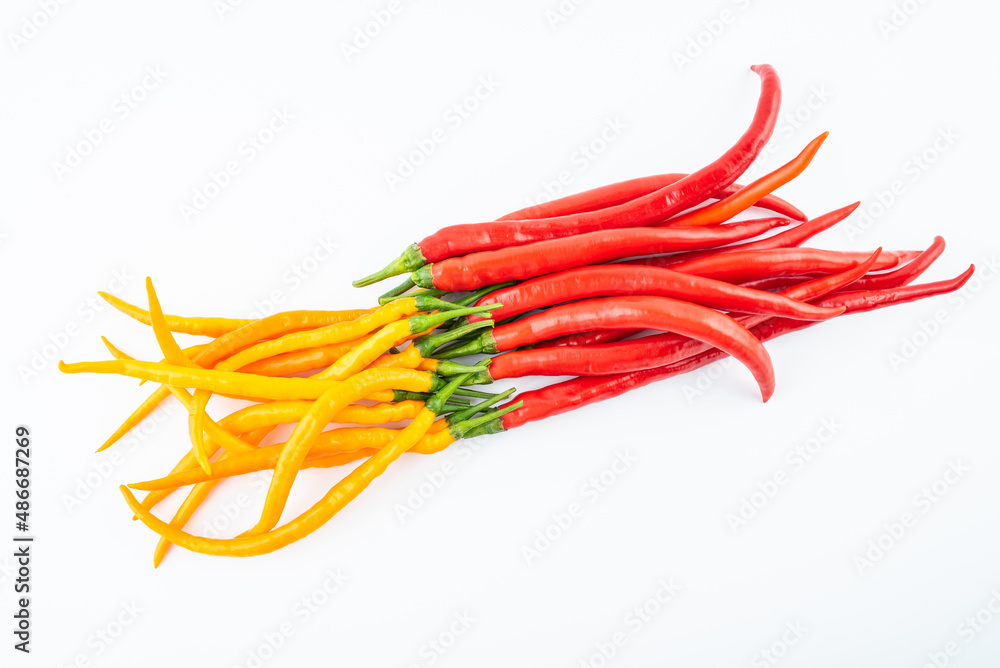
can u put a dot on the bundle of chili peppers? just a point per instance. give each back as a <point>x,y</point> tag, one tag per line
<point>619,287</point>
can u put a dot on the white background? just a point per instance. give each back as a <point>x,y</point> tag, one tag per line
<point>884,97</point>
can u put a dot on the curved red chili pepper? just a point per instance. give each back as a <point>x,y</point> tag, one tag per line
<point>906,274</point>
<point>621,279</point>
<point>790,238</point>
<point>729,207</point>
<point>648,352</point>
<point>796,288</point>
<point>577,392</point>
<point>867,300</point>
<point>588,338</point>
<point>889,279</point>
<point>545,257</point>
<point>659,205</point>
<point>742,266</point>
<point>660,313</point>
<point>626,191</point>
<point>775,282</point>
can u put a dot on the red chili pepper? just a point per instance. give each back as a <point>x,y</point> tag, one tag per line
<point>771,283</point>
<point>867,300</point>
<point>660,313</point>
<point>644,353</point>
<point>588,338</point>
<point>725,209</point>
<point>545,257</point>
<point>577,392</point>
<point>622,279</point>
<point>707,182</point>
<point>626,191</point>
<point>742,266</point>
<point>798,288</point>
<point>906,274</point>
<point>790,238</point>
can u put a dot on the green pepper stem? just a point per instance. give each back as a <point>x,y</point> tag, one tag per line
<point>479,378</point>
<point>437,382</point>
<point>402,395</point>
<point>483,343</point>
<point>436,403</point>
<point>494,426</point>
<point>409,260</point>
<point>468,412</point>
<point>462,429</point>
<point>427,300</point>
<point>475,394</point>
<point>446,368</point>
<point>425,322</point>
<point>396,293</point>
<point>457,322</point>
<point>468,300</point>
<point>420,295</point>
<point>423,276</point>
<point>428,344</point>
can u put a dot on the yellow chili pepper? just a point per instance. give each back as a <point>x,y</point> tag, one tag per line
<point>440,435</point>
<point>260,423</point>
<point>279,323</point>
<point>339,496</point>
<point>410,358</point>
<point>333,441</point>
<point>192,502</point>
<point>368,351</point>
<point>354,329</point>
<point>285,412</point>
<point>323,336</point>
<point>185,325</point>
<point>221,382</point>
<point>245,385</point>
<point>309,427</point>
<point>173,354</point>
<point>392,335</point>
<point>224,437</point>
<point>188,461</point>
<point>298,361</point>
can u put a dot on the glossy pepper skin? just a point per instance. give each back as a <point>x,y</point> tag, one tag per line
<point>623,279</point>
<point>588,338</point>
<point>706,183</point>
<point>646,210</point>
<point>475,270</point>
<point>659,313</point>
<point>905,274</point>
<point>578,392</point>
<point>791,288</point>
<point>626,191</point>
<point>651,351</point>
<point>742,266</point>
<point>790,238</point>
<point>231,342</point>
<point>728,207</point>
